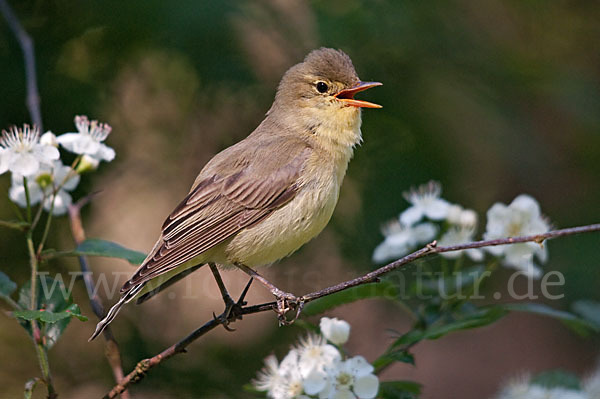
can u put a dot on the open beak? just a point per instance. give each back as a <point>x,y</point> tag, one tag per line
<point>347,95</point>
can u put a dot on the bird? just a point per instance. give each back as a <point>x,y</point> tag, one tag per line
<point>261,199</point>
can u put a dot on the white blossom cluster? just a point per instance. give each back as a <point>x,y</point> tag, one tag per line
<point>315,368</point>
<point>522,217</point>
<point>38,175</point>
<point>523,388</point>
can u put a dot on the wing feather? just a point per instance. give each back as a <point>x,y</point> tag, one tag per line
<point>216,209</point>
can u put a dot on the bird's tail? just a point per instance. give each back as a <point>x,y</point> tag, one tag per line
<point>112,313</point>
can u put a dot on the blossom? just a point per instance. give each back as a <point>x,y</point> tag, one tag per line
<point>425,201</point>
<point>314,369</point>
<point>22,153</point>
<point>335,330</point>
<point>459,216</point>
<point>523,389</point>
<point>400,239</point>
<point>315,354</point>
<point>460,235</point>
<point>352,378</point>
<point>88,140</point>
<point>522,217</point>
<point>42,185</point>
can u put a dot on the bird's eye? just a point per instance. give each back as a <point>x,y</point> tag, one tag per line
<point>322,87</point>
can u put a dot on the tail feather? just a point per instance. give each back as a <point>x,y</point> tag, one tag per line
<point>112,313</point>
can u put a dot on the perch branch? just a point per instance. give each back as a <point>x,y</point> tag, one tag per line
<point>26,43</point>
<point>180,347</point>
<point>112,348</point>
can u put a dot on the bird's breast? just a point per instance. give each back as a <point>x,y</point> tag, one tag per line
<point>292,225</point>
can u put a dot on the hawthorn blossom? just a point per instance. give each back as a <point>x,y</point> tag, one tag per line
<point>400,239</point>
<point>22,153</point>
<point>521,218</point>
<point>352,378</point>
<point>522,388</point>
<point>425,201</point>
<point>315,369</point>
<point>335,330</point>
<point>315,354</point>
<point>42,185</point>
<point>88,139</point>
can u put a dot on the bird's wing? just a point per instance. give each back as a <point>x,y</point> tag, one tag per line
<point>217,208</point>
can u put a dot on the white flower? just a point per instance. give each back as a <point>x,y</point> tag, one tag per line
<point>88,140</point>
<point>425,201</point>
<point>41,186</point>
<point>521,218</point>
<point>461,217</point>
<point>353,379</point>
<point>315,354</point>
<point>281,381</point>
<point>400,239</point>
<point>335,330</point>
<point>22,153</point>
<point>268,378</point>
<point>522,389</point>
<point>460,235</point>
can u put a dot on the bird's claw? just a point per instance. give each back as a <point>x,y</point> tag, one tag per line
<point>285,303</point>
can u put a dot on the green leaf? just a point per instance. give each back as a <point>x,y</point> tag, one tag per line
<point>579,325</point>
<point>7,286</point>
<point>48,316</point>
<point>478,318</point>
<point>391,357</point>
<point>557,379</point>
<point>57,306</point>
<point>383,289</point>
<point>399,390</point>
<point>30,386</point>
<point>589,310</point>
<point>96,247</point>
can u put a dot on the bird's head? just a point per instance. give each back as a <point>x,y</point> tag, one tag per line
<point>321,90</point>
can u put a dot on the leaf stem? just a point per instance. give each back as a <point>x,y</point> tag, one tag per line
<point>35,330</point>
<point>47,227</point>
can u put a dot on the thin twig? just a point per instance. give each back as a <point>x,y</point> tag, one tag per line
<point>145,365</point>
<point>26,43</point>
<point>112,348</point>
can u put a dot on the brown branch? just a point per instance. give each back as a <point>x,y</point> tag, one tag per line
<point>26,43</point>
<point>112,352</point>
<point>180,347</point>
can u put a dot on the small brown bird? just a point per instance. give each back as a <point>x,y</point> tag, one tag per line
<point>263,198</point>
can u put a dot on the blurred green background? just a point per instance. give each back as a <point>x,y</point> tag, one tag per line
<point>492,99</point>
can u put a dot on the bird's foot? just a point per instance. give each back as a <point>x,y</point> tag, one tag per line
<point>233,310</point>
<point>285,303</point>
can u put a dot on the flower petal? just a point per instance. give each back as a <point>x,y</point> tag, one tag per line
<point>314,382</point>
<point>24,164</point>
<point>366,387</point>
<point>411,215</point>
<point>437,209</point>
<point>104,153</point>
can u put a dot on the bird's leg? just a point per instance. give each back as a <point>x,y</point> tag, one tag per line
<point>229,303</point>
<point>285,300</point>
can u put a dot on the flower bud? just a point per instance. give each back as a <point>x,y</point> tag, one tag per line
<point>87,164</point>
<point>49,138</point>
<point>335,330</point>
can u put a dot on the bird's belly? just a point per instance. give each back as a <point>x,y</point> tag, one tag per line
<point>286,229</point>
